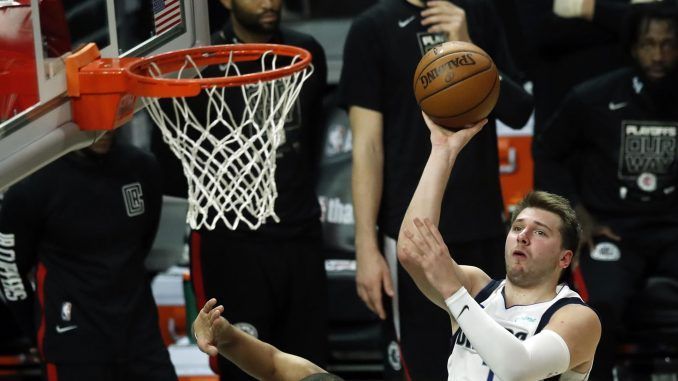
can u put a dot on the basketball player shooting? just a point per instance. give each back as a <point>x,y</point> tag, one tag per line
<point>525,327</point>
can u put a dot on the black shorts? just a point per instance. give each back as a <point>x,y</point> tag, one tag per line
<point>425,329</point>
<point>153,367</point>
<point>274,289</point>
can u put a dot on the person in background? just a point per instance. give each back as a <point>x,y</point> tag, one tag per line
<point>382,50</point>
<point>257,273</point>
<point>84,225</point>
<point>624,126</point>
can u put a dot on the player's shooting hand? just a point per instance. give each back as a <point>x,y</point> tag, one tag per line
<point>445,17</point>
<point>372,274</point>
<point>429,252</point>
<point>202,329</point>
<point>454,140</point>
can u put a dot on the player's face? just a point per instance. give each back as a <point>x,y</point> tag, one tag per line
<point>656,50</point>
<point>257,16</point>
<point>534,251</point>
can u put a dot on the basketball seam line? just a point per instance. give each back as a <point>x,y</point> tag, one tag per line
<point>445,88</point>
<point>481,102</point>
<point>439,58</point>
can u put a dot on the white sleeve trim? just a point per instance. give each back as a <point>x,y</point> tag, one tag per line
<point>541,356</point>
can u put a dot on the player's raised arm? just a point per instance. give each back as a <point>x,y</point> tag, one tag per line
<point>426,202</point>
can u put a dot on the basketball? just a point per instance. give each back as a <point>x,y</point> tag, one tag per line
<point>456,83</point>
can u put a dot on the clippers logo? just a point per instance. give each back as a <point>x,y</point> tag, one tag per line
<point>133,196</point>
<point>393,353</point>
<point>248,329</point>
<point>446,69</point>
<point>606,252</point>
<point>428,41</point>
<point>126,106</point>
<point>648,154</point>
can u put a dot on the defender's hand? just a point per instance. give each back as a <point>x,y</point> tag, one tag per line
<point>202,328</point>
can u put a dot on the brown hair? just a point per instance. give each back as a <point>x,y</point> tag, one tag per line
<point>570,229</point>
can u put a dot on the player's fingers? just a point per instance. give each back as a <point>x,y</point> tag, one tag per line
<point>362,294</point>
<point>440,19</point>
<point>425,228</point>
<point>211,350</point>
<point>365,294</point>
<point>410,237</point>
<point>214,315</point>
<point>441,7</point>
<point>208,306</point>
<point>375,302</point>
<point>472,130</point>
<point>423,237</point>
<point>388,283</point>
<point>477,126</point>
<point>434,230</point>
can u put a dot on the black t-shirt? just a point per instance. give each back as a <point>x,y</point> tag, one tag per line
<point>296,161</point>
<point>382,50</point>
<point>612,148</point>
<point>568,51</point>
<point>88,222</point>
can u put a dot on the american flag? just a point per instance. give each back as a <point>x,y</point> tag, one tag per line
<point>166,14</point>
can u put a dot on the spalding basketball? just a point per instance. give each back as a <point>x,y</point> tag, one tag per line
<point>456,84</point>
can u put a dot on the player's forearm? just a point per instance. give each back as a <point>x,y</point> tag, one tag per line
<point>426,203</point>
<point>250,354</point>
<point>428,197</point>
<point>424,285</point>
<point>538,357</point>
<point>367,186</point>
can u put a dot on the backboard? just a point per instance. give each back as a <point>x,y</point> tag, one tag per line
<point>36,126</point>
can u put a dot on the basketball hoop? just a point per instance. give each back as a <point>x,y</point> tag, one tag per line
<point>228,158</point>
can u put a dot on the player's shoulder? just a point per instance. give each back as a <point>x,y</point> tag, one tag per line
<point>377,14</point>
<point>134,156</point>
<point>478,281</point>
<point>42,182</point>
<point>579,314</point>
<point>300,39</point>
<point>576,323</point>
<point>605,84</point>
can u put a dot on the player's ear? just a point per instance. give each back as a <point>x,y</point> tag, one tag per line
<point>565,259</point>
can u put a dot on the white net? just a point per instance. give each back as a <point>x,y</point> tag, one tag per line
<point>227,143</point>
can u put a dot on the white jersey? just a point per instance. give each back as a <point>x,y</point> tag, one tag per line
<point>523,321</point>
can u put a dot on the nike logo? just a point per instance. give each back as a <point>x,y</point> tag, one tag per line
<point>616,106</point>
<point>65,329</point>
<point>462,311</point>
<point>404,23</point>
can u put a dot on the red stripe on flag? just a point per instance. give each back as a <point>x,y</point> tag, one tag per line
<point>168,17</point>
<point>162,28</point>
